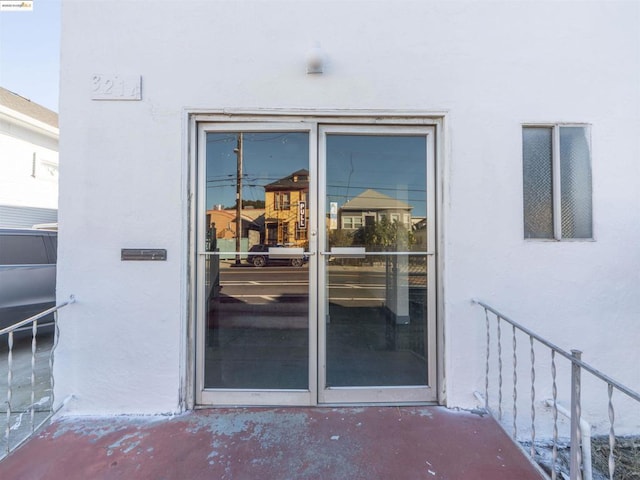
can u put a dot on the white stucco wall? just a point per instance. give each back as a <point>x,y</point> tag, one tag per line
<point>491,66</point>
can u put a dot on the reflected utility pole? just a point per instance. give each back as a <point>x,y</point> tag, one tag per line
<point>238,152</point>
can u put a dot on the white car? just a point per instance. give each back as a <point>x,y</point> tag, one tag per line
<point>261,255</point>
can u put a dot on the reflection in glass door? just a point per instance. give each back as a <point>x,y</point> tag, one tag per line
<point>253,257</point>
<point>315,264</point>
<point>377,267</point>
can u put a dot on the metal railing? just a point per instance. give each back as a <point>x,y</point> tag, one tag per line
<point>580,467</point>
<point>41,407</point>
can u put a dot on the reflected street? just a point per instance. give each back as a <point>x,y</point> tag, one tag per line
<point>253,285</point>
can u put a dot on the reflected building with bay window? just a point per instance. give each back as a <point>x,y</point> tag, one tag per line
<point>286,203</point>
<point>371,207</point>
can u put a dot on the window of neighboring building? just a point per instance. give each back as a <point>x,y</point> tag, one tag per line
<point>351,223</point>
<point>272,233</point>
<point>301,233</point>
<point>284,232</point>
<point>282,200</point>
<point>557,182</point>
<point>369,220</point>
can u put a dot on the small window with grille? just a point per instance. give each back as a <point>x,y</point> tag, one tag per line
<point>557,182</point>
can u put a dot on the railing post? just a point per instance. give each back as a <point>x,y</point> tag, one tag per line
<point>486,375</point>
<point>9,389</point>
<point>576,457</point>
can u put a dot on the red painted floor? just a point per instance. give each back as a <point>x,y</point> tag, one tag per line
<point>274,443</point>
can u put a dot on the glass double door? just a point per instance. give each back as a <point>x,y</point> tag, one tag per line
<point>315,279</point>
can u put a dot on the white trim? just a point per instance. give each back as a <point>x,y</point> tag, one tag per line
<point>376,116</point>
<point>379,395</point>
<point>442,153</point>
<point>187,371</point>
<point>333,117</point>
<point>255,398</point>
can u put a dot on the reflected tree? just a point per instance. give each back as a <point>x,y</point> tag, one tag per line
<point>384,235</point>
<point>340,238</point>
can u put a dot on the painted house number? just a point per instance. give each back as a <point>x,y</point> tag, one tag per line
<point>115,87</point>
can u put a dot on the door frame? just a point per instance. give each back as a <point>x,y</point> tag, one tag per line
<point>193,119</point>
<point>382,394</point>
<point>226,397</point>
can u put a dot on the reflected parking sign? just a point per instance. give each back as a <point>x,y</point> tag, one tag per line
<point>333,215</point>
<point>302,210</point>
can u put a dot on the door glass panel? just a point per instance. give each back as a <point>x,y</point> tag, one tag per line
<point>256,270</point>
<point>376,278</point>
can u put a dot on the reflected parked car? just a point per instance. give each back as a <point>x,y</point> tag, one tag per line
<point>260,256</point>
<point>27,275</point>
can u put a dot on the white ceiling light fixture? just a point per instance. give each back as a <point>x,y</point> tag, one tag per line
<point>315,59</point>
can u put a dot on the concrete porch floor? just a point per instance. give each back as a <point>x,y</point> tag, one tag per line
<point>274,443</point>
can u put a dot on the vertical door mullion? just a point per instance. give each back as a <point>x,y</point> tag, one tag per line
<point>556,183</point>
<point>322,287</point>
<point>314,260</point>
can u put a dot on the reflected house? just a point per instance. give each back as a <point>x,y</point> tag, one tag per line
<point>28,163</point>
<point>223,222</point>
<point>370,207</point>
<point>286,205</point>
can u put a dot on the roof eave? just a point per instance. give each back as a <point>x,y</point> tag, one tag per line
<point>29,122</point>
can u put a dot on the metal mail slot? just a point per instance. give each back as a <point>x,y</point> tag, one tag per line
<point>155,254</point>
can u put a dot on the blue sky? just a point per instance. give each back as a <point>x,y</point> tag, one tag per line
<point>30,52</point>
<point>392,165</point>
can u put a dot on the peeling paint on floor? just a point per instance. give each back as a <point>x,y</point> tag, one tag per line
<point>282,443</point>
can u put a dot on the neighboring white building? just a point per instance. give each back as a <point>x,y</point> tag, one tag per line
<point>28,162</point>
<point>441,105</point>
